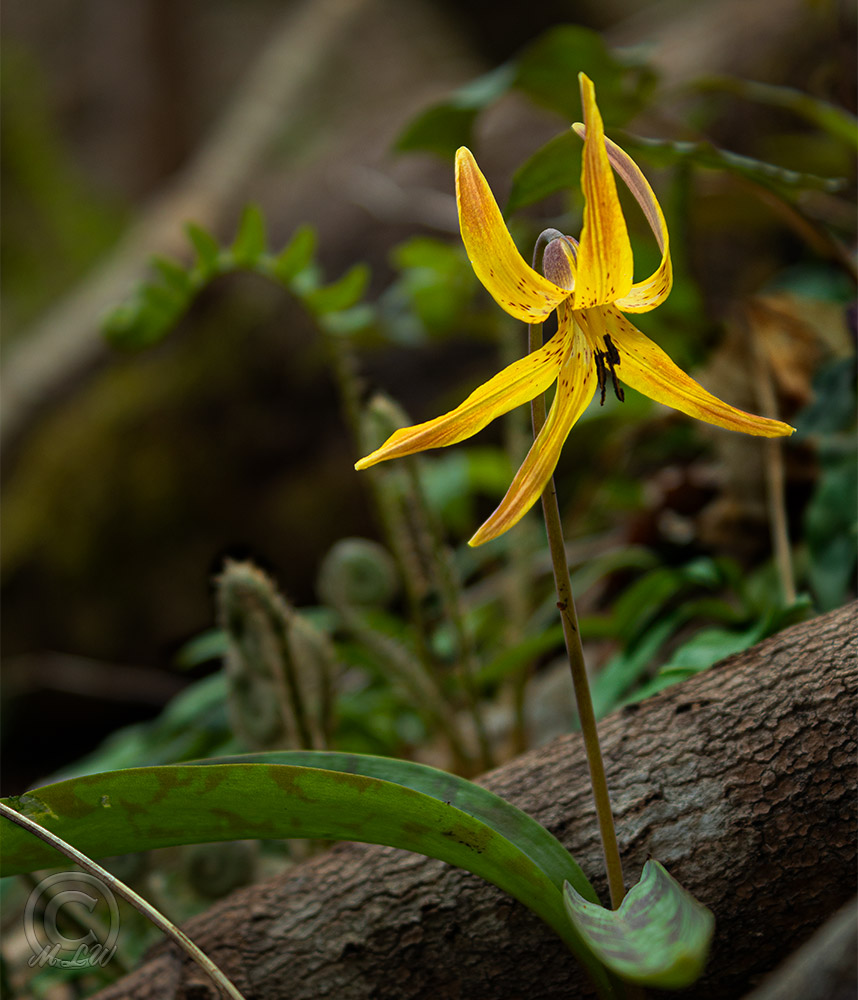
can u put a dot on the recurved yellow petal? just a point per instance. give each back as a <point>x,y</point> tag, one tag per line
<point>575,387</point>
<point>644,366</point>
<point>518,383</point>
<point>605,265</point>
<point>644,295</point>
<point>513,284</point>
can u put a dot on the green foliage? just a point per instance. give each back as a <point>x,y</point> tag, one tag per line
<point>831,528</point>
<point>157,306</point>
<point>314,796</point>
<point>659,936</point>
<point>831,518</point>
<point>297,256</point>
<point>548,170</point>
<point>786,183</point>
<point>557,164</point>
<point>547,72</point>
<point>455,479</point>
<point>250,240</point>
<point>194,724</point>
<point>652,619</point>
<point>342,294</point>
<point>433,293</point>
<point>446,126</point>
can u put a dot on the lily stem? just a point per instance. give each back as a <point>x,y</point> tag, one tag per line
<point>580,680</point>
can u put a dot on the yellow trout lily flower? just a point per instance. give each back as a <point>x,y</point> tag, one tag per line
<point>590,284</point>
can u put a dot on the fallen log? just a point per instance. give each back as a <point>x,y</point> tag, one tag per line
<point>740,781</point>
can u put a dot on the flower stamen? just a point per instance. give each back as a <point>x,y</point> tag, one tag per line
<point>606,361</point>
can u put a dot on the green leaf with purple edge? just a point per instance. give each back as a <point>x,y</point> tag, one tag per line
<point>659,936</point>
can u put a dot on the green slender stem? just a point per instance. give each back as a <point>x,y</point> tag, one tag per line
<point>580,680</point>
<point>127,893</point>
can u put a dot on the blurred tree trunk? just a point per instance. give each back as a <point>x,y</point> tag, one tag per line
<point>741,781</point>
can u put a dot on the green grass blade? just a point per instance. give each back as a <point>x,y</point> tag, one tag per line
<point>659,936</point>
<point>365,799</point>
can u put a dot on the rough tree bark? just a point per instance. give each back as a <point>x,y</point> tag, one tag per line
<point>741,781</point>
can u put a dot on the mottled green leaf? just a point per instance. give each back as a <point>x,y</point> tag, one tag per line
<point>313,795</point>
<point>659,936</point>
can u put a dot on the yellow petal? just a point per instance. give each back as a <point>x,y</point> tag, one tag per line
<point>648,294</point>
<point>518,383</point>
<point>513,284</point>
<point>644,366</point>
<point>605,262</point>
<point>575,387</point>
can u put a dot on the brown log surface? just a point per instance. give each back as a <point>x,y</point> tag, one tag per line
<point>741,781</point>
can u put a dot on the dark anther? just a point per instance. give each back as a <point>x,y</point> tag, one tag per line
<point>601,375</point>
<point>607,360</point>
<point>613,355</point>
